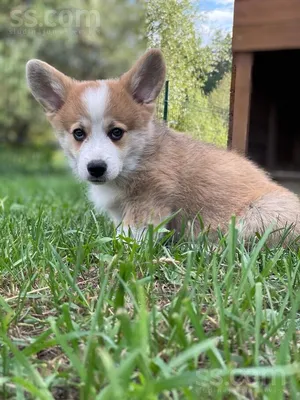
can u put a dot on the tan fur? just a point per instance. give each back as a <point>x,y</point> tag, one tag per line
<point>123,108</point>
<point>278,209</point>
<point>68,114</point>
<point>181,173</point>
<point>175,172</point>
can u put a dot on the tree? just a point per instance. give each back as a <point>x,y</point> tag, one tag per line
<point>219,98</point>
<point>221,60</point>
<point>84,48</point>
<point>171,27</point>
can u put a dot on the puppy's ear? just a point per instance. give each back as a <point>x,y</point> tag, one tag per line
<point>145,79</point>
<point>47,84</point>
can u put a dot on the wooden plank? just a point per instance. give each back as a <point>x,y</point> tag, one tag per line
<point>241,103</point>
<point>231,100</point>
<point>257,12</point>
<point>266,37</point>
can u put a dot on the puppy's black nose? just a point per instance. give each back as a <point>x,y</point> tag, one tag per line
<point>97,168</point>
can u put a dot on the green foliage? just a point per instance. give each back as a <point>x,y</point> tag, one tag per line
<point>14,105</point>
<point>81,48</point>
<point>205,121</point>
<point>171,26</point>
<point>221,60</point>
<point>85,315</point>
<point>219,100</point>
<point>103,43</point>
<point>220,96</point>
<point>32,160</point>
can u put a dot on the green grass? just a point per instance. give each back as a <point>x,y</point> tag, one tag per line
<point>84,315</point>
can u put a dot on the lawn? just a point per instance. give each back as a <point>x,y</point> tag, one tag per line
<point>84,315</point>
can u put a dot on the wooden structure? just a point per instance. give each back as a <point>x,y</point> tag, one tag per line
<point>265,95</point>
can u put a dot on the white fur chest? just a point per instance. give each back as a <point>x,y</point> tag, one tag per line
<point>107,199</point>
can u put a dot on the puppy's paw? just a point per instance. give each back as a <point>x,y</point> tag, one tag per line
<point>138,234</point>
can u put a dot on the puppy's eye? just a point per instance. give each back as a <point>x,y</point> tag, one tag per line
<point>116,134</point>
<point>79,135</point>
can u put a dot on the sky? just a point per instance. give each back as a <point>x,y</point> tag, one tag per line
<point>217,14</point>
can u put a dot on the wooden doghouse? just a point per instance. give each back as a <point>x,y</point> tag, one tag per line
<point>265,95</point>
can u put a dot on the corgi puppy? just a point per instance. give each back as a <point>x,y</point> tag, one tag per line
<point>141,172</point>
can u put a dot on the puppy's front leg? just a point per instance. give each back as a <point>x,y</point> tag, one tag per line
<point>137,219</point>
<point>128,230</point>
